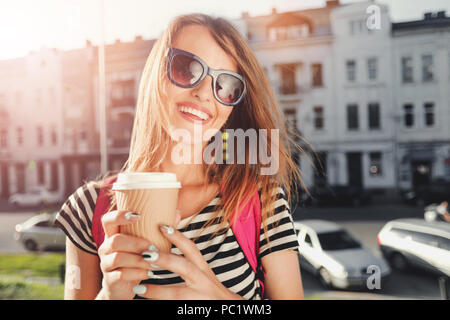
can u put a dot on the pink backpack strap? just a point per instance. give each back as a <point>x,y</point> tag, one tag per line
<point>101,207</point>
<point>246,229</point>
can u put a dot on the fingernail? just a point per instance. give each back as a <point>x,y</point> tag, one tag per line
<point>132,215</point>
<point>151,256</point>
<point>152,248</point>
<point>152,275</point>
<point>154,266</point>
<point>168,229</point>
<point>139,289</point>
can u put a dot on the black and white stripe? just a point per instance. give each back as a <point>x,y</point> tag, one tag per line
<point>221,251</point>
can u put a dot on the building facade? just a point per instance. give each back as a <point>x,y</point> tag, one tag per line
<point>338,73</point>
<point>370,97</point>
<point>421,51</point>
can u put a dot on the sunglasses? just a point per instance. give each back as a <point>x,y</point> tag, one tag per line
<point>186,70</point>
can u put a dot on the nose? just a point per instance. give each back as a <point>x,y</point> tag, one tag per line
<point>203,90</point>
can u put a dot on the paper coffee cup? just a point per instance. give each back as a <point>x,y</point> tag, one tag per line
<point>154,196</point>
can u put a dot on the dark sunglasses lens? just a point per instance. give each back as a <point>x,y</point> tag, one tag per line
<point>185,70</point>
<point>229,88</point>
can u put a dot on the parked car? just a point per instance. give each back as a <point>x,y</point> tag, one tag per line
<point>437,212</point>
<point>416,243</point>
<point>37,195</point>
<point>40,233</point>
<point>437,191</point>
<point>340,195</point>
<point>328,251</point>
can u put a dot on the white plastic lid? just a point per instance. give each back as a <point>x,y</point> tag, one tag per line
<point>145,180</point>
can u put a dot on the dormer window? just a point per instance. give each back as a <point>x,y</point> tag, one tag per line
<point>288,26</point>
<point>288,33</point>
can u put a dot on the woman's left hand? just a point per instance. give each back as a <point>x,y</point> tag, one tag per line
<point>200,280</point>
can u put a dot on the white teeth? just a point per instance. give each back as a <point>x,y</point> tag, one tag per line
<point>195,112</point>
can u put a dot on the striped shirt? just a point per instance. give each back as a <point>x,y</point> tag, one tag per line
<point>222,252</point>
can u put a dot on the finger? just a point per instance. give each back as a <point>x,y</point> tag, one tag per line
<point>186,246</point>
<point>124,243</point>
<point>172,292</point>
<point>127,274</point>
<point>175,263</point>
<point>117,260</point>
<point>113,219</point>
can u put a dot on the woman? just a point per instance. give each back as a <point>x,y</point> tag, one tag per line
<point>212,266</point>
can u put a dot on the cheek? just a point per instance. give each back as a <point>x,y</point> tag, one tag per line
<point>223,115</point>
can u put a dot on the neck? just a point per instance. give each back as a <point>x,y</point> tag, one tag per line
<point>190,171</point>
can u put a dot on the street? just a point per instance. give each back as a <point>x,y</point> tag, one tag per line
<point>363,223</point>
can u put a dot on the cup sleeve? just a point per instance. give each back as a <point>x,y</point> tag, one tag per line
<point>75,217</point>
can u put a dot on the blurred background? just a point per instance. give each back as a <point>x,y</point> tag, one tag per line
<point>366,83</point>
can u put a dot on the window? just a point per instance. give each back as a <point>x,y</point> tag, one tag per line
<point>317,75</point>
<point>318,118</point>
<point>54,136</point>
<point>291,118</point>
<point>427,68</point>
<point>407,70</point>
<point>288,83</point>
<point>337,240</point>
<point>19,136</point>
<point>429,114</point>
<point>408,118</point>
<point>40,172</point>
<point>4,138</point>
<point>372,66</point>
<point>351,70</point>
<point>352,117</point>
<point>375,164</point>
<point>400,233</point>
<point>374,116</point>
<point>54,178</point>
<point>288,32</point>
<point>308,240</point>
<point>122,93</point>
<point>40,136</point>
<point>358,27</point>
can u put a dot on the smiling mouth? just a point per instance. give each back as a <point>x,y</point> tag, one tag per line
<point>192,114</point>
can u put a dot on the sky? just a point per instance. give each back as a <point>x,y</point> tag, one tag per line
<point>28,25</point>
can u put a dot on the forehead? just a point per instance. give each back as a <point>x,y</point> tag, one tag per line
<point>199,41</point>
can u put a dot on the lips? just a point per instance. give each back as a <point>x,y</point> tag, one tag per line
<point>193,112</point>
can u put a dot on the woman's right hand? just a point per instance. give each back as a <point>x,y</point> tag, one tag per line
<point>121,260</point>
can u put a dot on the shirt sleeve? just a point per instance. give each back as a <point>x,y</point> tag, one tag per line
<point>75,217</point>
<point>281,234</point>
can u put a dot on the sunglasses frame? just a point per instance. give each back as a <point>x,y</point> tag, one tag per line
<point>214,73</point>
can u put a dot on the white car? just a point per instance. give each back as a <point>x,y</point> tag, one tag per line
<point>37,195</point>
<point>40,233</point>
<point>418,243</point>
<point>327,250</point>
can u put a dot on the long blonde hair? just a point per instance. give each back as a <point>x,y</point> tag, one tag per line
<point>258,110</point>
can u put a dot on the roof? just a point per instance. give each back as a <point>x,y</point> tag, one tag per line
<point>320,226</point>
<point>431,20</point>
<point>442,227</point>
<point>286,19</point>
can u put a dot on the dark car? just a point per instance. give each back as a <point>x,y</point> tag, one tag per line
<point>340,195</point>
<point>437,191</point>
